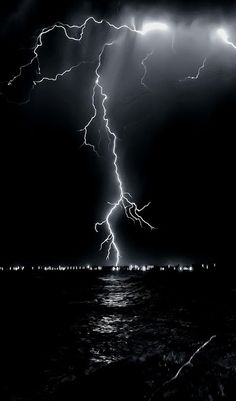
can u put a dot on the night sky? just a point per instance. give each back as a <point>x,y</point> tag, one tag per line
<point>176,140</point>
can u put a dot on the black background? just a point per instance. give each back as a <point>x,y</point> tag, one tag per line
<point>52,190</point>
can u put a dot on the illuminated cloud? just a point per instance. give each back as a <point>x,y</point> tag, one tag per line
<point>225,37</point>
<point>154,26</point>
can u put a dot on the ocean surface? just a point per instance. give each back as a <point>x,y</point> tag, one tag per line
<point>117,336</point>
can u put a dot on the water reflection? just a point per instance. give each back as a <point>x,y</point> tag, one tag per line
<point>110,327</point>
<point>118,291</point>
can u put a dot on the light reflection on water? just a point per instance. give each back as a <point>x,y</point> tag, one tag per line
<point>118,291</point>
<point>129,322</point>
<point>137,326</point>
<point>113,327</point>
<point>107,324</point>
<point>115,299</point>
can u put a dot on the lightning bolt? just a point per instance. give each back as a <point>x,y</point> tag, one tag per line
<point>39,43</point>
<point>225,37</point>
<point>130,208</point>
<point>188,363</point>
<point>124,199</point>
<point>65,27</point>
<point>202,66</point>
<point>61,74</point>
<point>143,62</point>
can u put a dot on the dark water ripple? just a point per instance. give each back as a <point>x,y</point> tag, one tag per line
<point>123,336</point>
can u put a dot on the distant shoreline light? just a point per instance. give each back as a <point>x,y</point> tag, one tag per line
<point>131,268</point>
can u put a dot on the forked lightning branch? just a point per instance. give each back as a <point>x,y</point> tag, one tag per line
<point>75,33</point>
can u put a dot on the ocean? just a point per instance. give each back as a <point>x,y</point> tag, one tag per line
<point>69,336</point>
